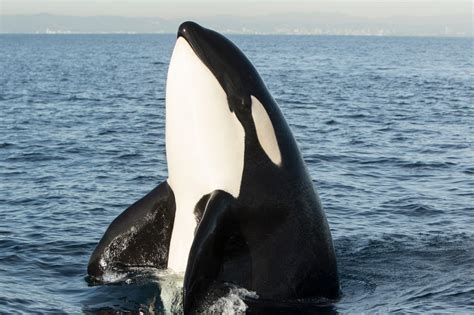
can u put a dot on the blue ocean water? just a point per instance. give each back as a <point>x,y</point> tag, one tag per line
<point>386,126</point>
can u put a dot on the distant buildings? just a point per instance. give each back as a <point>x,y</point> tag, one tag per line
<point>290,24</point>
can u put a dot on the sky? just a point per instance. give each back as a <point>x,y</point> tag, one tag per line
<point>200,8</point>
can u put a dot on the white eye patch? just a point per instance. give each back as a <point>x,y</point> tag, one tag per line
<point>265,132</point>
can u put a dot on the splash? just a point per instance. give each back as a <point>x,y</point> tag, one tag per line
<point>233,302</point>
<point>171,284</point>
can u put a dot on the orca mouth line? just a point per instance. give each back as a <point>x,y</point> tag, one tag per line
<point>182,30</point>
<point>188,30</point>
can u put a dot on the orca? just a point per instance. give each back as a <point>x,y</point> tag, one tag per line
<point>239,205</point>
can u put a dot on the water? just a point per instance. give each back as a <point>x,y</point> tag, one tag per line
<point>385,126</point>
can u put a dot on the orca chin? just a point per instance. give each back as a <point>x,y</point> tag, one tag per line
<point>239,205</point>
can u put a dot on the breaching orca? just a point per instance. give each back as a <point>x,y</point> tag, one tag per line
<point>239,205</point>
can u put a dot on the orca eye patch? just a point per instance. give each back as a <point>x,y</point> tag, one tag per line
<point>265,132</point>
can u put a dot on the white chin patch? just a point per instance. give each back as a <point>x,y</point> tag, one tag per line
<point>204,144</point>
<point>265,132</point>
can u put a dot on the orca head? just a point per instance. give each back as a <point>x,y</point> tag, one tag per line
<point>234,72</point>
<point>216,71</point>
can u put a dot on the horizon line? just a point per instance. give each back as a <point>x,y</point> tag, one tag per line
<point>238,34</point>
<point>242,16</point>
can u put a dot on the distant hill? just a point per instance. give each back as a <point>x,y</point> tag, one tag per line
<point>296,23</point>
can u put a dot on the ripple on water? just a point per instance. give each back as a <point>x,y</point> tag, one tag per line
<point>384,125</point>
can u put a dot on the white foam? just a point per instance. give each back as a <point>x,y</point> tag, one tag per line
<point>232,303</point>
<point>110,276</point>
<point>171,285</point>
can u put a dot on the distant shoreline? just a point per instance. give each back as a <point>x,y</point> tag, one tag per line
<point>241,34</point>
<point>298,24</point>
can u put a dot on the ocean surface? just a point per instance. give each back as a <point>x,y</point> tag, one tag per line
<point>386,127</point>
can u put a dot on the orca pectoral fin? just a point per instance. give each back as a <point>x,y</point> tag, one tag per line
<point>205,257</point>
<point>139,236</point>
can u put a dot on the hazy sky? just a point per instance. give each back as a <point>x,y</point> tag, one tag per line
<point>199,8</point>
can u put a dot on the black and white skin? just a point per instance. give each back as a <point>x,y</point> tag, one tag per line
<point>239,205</point>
